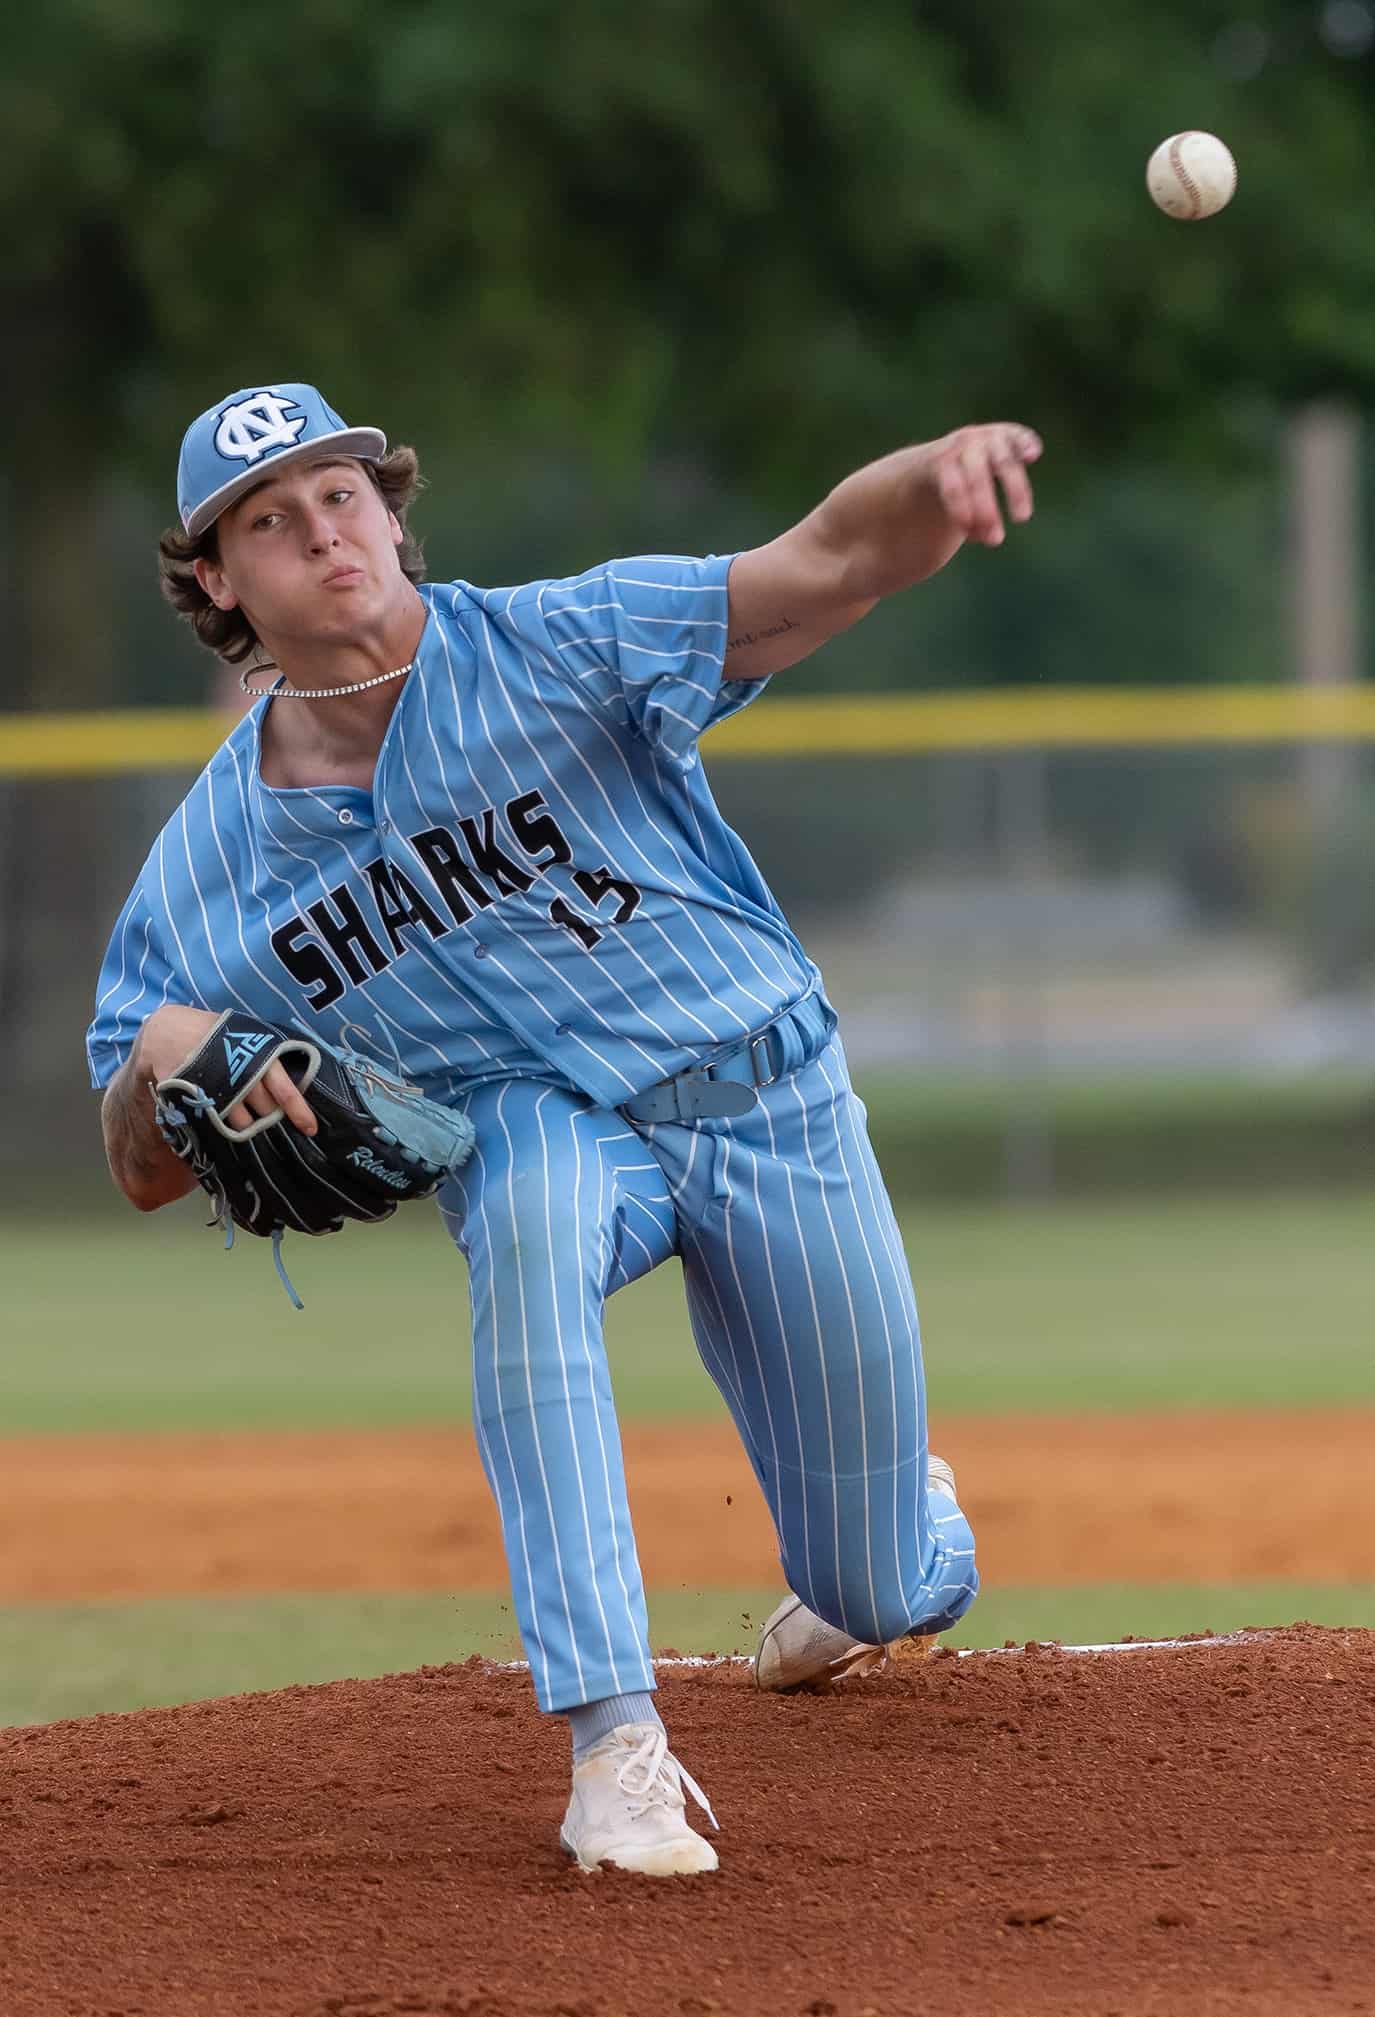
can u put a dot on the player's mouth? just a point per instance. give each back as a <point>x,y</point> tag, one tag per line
<point>342,577</point>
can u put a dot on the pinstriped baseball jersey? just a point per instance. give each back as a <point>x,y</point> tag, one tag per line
<point>538,910</point>
<point>539,881</point>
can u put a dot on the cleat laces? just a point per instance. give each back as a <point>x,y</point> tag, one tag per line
<point>652,1777</point>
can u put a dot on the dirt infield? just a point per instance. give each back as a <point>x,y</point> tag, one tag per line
<point>1143,1832</point>
<point>1192,1497</point>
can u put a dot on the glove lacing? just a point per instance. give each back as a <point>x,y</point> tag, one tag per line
<point>172,1127</point>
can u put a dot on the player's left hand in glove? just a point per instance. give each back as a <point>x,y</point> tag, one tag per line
<point>377,1143</point>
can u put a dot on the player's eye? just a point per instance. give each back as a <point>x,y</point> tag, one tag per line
<point>338,497</point>
<point>265,520</point>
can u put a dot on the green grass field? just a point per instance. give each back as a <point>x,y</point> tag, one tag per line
<point>127,1323</point>
<point>123,1323</point>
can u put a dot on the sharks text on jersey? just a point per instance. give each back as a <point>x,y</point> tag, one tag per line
<point>336,941</point>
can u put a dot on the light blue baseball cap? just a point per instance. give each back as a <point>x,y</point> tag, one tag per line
<point>246,439</point>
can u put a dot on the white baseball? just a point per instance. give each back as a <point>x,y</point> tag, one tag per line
<point>1192,175</point>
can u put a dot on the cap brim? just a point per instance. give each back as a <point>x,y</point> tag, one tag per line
<point>363,444</point>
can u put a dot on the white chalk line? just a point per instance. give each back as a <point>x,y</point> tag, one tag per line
<point>1035,1646</point>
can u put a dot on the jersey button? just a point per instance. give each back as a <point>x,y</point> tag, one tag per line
<point>386,826</point>
<point>563,1030</point>
<point>346,817</point>
<point>479,949</point>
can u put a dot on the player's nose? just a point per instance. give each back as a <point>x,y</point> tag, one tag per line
<point>320,532</point>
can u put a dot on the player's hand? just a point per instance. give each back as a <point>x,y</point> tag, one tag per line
<point>276,1088</point>
<point>968,468</point>
<point>173,1034</point>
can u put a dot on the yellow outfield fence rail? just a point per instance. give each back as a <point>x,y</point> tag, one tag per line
<point>907,724</point>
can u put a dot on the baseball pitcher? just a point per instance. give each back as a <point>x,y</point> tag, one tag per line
<point>453,910</point>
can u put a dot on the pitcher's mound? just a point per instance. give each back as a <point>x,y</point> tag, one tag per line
<point>1171,1831</point>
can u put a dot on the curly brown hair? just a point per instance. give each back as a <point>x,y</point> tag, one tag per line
<point>228,632</point>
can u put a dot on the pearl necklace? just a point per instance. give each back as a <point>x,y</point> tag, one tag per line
<point>319,692</point>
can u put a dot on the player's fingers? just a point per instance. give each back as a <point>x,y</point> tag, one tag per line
<point>984,518</point>
<point>1016,489</point>
<point>1010,450</point>
<point>277,1088</point>
<point>1022,442</point>
<point>290,1098</point>
<point>954,490</point>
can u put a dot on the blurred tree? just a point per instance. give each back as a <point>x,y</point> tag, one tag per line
<point>760,239</point>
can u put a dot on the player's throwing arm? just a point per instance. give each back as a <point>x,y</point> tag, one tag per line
<point>891,525</point>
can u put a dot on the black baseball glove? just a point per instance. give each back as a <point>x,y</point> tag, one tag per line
<point>379,1142</point>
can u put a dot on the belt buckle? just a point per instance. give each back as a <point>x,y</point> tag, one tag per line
<point>756,1044</point>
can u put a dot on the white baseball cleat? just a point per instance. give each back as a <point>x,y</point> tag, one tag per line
<point>799,1650</point>
<point>627,1807</point>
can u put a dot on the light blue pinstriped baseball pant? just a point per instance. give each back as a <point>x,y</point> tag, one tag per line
<point>802,1308</point>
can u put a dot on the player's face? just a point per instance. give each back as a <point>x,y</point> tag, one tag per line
<point>312,553</point>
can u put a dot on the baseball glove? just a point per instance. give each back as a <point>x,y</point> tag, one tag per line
<point>379,1143</point>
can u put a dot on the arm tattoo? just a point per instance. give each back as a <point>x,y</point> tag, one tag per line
<point>748,637</point>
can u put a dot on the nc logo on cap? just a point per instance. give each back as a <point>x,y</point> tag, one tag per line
<point>256,425</point>
<point>251,434</point>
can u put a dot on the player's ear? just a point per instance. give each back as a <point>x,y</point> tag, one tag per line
<point>213,582</point>
<point>397,535</point>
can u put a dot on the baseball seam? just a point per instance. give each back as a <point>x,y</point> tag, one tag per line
<point>1186,181</point>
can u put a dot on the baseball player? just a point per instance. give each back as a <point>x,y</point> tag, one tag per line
<point>468,830</point>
